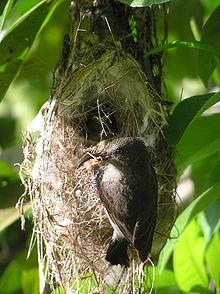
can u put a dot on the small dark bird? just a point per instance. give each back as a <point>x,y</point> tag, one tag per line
<point>127,186</point>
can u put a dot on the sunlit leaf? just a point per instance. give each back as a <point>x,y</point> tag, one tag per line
<point>188,259</point>
<point>5,14</point>
<point>180,64</point>
<point>30,281</point>
<point>142,3</point>
<point>161,280</point>
<point>200,203</point>
<point>58,290</point>
<point>15,46</point>
<point>185,44</point>
<point>165,279</point>
<point>10,281</point>
<point>17,40</point>
<point>11,277</point>
<point>213,259</point>
<point>18,13</point>
<point>9,215</point>
<point>186,112</point>
<point>199,141</point>
<point>169,290</point>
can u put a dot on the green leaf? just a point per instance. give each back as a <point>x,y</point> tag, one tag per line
<point>18,38</point>
<point>199,204</point>
<point>165,279</point>
<point>209,220</point>
<point>210,5</point>
<point>142,3</point>
<point>30,281</point>
<point>184,58</point>
<point>9,215</point>
<point>6,170</point>
<point>214,175</point>
<point>210,35</point>
<point>212,216</point>
<point>199,141</point>
<point>161,280</point>
<point>188,259</point>
<point>169,290</point>
<point>10,280</point>
<point>213,260</point>
<point>186,112</point>
<point>58,290</point>
<point>203,179</point>
<point>185,44</point>
<point>6,11</point>
<point>18,13</point>
<point>87,284</point>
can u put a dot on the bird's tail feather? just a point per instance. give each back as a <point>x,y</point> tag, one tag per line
<point>117,252</point>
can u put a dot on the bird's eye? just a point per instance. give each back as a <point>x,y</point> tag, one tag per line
<point>117,151</point>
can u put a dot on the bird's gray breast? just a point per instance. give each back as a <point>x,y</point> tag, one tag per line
<point>115,190</point>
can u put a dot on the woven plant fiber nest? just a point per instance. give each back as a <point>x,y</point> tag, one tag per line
<point>107,99</point>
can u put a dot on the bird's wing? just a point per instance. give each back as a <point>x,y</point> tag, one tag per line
<point>143,234</point>
<point>137,228</point>
<point>146,221</point>
<point>120,225</point>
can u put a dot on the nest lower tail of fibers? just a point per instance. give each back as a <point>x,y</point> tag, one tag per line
<point>108,98</point>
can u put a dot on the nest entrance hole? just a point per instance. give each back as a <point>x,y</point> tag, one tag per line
<point>98,121</point>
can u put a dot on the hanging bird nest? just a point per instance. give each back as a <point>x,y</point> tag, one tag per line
<point>99,93</point>
<point>107,99</point>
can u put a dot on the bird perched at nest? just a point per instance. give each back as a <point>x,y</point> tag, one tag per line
<point>127,186</point>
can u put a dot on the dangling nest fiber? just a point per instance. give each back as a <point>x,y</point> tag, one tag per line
<point>108,98</point>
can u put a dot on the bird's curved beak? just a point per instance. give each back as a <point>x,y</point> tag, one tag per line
<point>85,158</point>
<point>89,156</point>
